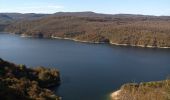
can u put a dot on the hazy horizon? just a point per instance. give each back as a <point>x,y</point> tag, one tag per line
<point>82,12</point>
<point>143,7</point>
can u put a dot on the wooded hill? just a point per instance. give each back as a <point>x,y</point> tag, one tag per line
<point>17,82</point>
<point>136,30</point>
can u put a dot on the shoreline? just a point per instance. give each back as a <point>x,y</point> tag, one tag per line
<point>115,95</point>
<point>23,35</point>
<point>142,46</point>
<point>111,43</point>
<point>77,40</point>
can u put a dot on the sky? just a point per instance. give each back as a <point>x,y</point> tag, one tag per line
<point>146,7</point>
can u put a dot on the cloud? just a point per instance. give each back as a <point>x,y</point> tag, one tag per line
<point>57,7</point>
<point>35,9</point>
<point>44,7</point>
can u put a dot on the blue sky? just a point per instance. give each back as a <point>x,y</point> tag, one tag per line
<point>147,7</point>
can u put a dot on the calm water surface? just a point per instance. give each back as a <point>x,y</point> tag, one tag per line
<point>88,71</point>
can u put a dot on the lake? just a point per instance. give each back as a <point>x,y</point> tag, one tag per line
<point>88,71</point>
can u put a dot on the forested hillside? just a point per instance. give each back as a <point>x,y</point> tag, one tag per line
<point>9,18</point>
<point>124,29</point>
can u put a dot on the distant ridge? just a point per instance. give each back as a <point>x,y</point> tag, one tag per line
<point>78,14</point>
<point>83,14</point>
<point>18,16</point>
